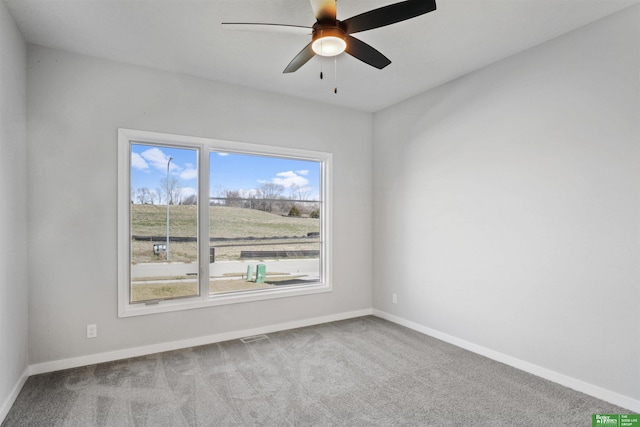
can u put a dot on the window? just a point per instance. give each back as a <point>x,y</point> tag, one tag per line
<point>163,223</point>
<point>206,222</point>
<point>263,210</point>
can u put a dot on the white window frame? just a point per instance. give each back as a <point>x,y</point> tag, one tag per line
<point>126,137</point>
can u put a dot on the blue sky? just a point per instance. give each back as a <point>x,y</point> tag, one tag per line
<point>228,171</point>
<point>245,173</point>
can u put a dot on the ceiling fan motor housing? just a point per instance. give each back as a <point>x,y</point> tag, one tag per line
<point>328,39</point>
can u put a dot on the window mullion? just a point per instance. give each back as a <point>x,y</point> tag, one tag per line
<point>203,221</point>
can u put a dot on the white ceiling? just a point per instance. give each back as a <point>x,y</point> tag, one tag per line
<point>185,36</point>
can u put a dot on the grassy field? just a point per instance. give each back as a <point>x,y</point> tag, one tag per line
<point>239,222</point>
<point>225,222</point>
<point>245,229</point>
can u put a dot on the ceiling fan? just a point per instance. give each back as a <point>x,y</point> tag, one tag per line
<point>331,37</point>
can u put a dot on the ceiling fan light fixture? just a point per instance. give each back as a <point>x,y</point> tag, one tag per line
<point>329,42</point>
<point>331,36</point>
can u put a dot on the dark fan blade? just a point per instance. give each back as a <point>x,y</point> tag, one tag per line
<point>324,10</point>
<point>301,58</point>
<point>365,53</point>
<point>275,28</point>
<point>388,15</point>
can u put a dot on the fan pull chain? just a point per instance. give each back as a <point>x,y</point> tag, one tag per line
<point>335,75</point>
<point>321,75</point>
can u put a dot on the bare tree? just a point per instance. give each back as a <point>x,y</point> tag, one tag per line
<point>269,192</point>
<point>143,195</point>
<point>176,196</point>
<point>219,192</point>
<point>159,193</point>
<point>172,189</point>
<point>299,193</point>
<point>233,198</point>
<point>190,200</point>
<point>250,201</point>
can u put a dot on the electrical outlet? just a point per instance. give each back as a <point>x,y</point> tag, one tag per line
<point>394,298</point>
<point>92,331</point>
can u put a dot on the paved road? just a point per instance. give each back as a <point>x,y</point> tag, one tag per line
<point>294,266</point>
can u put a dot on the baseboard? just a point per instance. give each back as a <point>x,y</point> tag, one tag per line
<point>110,356</point>
<point>564,380</point>
<point>6,405</point>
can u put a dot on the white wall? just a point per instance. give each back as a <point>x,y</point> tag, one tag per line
<point>13,211</point>
<point>75,106</point>
<point>506,207</point>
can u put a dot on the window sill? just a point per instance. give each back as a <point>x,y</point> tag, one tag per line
<point>166,306</point>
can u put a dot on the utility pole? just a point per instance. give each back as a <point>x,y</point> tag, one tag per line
<point>168,198</point>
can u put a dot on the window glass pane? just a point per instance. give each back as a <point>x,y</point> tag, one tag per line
<point>164,223</point>
<point>264,224</point>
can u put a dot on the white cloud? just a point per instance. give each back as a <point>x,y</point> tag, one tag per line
<point>289,178</point>
<point>187,191</point>
<point>305,190</point>
<point>248,193</point>
<point>158,159</point>
<point>189,173</point>
<point>138,162</point>
<point>223,154</point>
<point>304,172</point>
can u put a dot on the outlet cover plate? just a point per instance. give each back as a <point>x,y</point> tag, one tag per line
<point>92,331</point>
